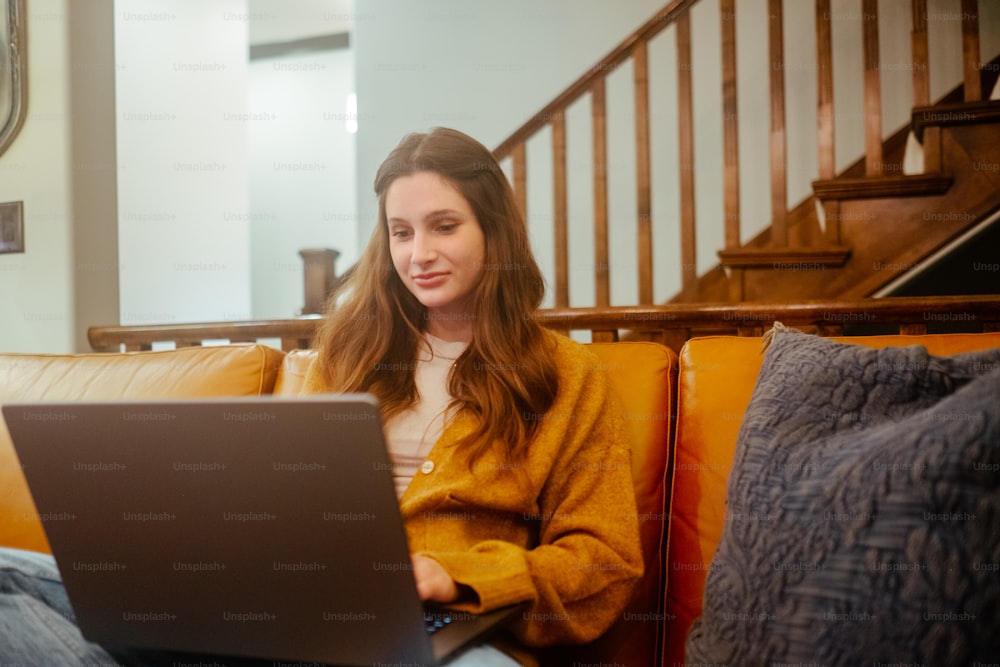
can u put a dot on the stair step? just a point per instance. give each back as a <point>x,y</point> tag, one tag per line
<point>958,113</point>
<point>867,187</point>
<point>784,258</point>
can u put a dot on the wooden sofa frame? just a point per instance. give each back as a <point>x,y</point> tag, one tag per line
<point>670,324</point>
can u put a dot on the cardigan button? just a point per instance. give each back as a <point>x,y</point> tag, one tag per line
<point>427,467</point>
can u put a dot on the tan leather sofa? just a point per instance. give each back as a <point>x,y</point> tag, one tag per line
<point>684,413</point>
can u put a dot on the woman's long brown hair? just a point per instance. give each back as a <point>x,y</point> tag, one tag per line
<point>373,325</point>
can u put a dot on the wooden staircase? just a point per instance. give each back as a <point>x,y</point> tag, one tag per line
<point>859,230</point>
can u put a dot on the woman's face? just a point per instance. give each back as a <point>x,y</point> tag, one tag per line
<point>437,248</point>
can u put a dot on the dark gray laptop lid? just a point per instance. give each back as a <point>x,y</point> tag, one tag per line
<point>263,527</point>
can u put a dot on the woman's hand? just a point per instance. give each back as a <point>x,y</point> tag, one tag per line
<point>433,583</point>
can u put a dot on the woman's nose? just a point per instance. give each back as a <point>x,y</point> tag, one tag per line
<point>423,249</point>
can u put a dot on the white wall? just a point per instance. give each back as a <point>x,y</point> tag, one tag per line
<point>36,312</point>
<point>251,159</point>
<point>302,178</point>
<point>94,167</point>
<point>183,200</point>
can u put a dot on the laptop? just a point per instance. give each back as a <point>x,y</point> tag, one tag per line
<point>248,527</point>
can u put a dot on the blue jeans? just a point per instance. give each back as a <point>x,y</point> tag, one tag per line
<point>37,626</point>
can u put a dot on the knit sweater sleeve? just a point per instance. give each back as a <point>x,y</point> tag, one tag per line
<point>581,571</point>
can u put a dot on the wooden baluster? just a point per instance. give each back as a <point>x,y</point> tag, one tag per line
<point>675,338</point>
<point>754,331</point>
<point>873,89</point>
<point>644,241</point>
<point>319,277</point>
<point>779,196</point>
<point>685,148</point>
<point>604,336</point>
<point>970,51</point>
<point>825,126</point>
<point>824,89</point>
<point>913,329</point>
<point>826,329</point>
<point>602,285</point>
<point>560,207</point>
<point>520,169</point>
<point>920,48</point>
<point>730,143</point>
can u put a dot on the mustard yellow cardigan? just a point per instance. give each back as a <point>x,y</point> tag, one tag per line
<point>560,531</point>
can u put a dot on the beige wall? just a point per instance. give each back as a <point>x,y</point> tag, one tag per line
<point>60,156</point>
<point>93,187</point>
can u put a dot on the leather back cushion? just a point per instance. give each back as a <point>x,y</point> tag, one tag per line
<point>643,375</point>
<point>716,380</point>
<point>292,374</point>
<point>231,370</point>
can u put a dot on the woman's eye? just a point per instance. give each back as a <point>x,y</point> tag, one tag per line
<point>400,233</point>
<point>447,227</point>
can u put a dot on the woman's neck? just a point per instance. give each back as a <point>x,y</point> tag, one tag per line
<point>453,329</point>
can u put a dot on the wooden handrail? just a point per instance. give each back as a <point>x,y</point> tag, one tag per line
<point>293,333</point>
<point>828,317</point>
<point>671,324</point>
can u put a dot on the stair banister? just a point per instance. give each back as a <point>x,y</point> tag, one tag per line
<point>553,115</point>
<point>813,233</point>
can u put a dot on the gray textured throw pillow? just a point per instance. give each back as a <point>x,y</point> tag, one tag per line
<point>863,512</point>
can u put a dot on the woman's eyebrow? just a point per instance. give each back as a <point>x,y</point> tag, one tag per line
<point>432,216</point>
<point>442,213</point>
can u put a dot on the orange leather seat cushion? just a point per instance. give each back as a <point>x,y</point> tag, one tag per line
<point>194,372</point>
<point>716,380</point>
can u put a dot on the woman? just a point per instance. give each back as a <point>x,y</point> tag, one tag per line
<point>509,454</point>
<point>508,449</point>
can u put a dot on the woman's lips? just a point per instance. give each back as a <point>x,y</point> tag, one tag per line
<point>429,279</point>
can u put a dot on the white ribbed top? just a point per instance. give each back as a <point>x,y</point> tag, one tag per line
<point>411,434</point>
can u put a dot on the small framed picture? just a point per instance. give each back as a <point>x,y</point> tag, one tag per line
<point>12,227</point>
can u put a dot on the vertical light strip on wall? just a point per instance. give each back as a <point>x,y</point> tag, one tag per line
<point>351,115</point>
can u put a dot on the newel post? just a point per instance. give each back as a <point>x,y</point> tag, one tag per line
<point>320,276</point>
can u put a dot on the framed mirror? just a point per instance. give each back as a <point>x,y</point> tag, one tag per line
<point>13,70</point>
